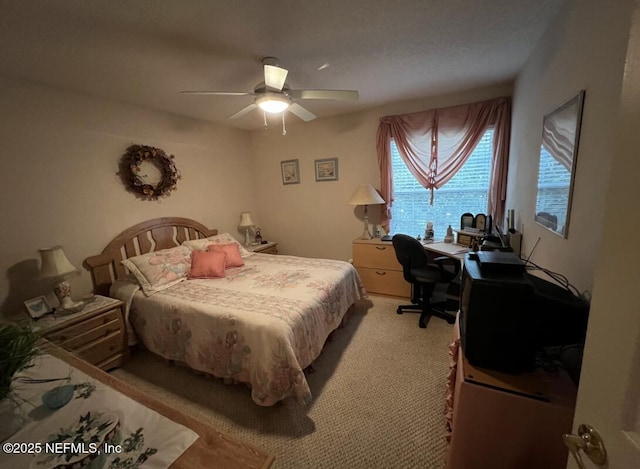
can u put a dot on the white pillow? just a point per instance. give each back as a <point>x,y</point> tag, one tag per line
<point>158,270</point>
<point>222,238</point>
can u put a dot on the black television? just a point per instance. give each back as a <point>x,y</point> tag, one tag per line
<point>560,317</point>
<point>507,314</point>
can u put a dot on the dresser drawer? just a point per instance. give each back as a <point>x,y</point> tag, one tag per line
<point>271,250</point>
<point>102,349</point>
<point>112,362</point>
<point>385,282</point>
<point>72,331</point>
<point>375,256</point>
<point>101,331</point>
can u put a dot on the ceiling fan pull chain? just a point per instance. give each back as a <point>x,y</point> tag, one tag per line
<point>264,114</point>
<point>284,129</point>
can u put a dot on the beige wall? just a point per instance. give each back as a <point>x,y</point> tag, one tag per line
<point>312,218</point>
<point>59,185</point>
<point>583,49</point>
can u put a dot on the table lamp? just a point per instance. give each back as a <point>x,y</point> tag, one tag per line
<point>246,223</point>
<point>365,195</point>
<point>56,265</point>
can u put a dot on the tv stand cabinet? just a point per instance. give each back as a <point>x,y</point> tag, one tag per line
<point>505,421</point>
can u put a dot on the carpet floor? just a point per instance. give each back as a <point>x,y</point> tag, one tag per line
<point>378,396</point>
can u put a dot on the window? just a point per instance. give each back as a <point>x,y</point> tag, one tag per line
<point>467,191</point>
<point>554,181</point>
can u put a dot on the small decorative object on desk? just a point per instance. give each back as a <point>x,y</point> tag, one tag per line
<point>258,236</point>
<point>466,220</point>
<point>428,233</point>
<point>449,236</point>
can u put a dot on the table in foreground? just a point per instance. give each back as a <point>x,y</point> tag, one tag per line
<point>211,448</point>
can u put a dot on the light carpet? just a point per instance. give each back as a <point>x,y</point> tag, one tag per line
<point>378,396</point>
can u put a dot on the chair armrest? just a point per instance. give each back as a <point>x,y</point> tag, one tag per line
<point>446,273</point>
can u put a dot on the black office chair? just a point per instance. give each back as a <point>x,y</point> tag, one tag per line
<point>423,277</point>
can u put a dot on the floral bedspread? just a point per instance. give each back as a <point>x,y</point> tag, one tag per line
<point>261,324</point>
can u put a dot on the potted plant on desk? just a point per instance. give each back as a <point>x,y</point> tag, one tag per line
<point>17,350</point>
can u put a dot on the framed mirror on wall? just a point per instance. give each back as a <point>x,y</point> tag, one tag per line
<point>557,165</point>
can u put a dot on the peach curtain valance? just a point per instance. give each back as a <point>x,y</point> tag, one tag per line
<point>435,144</point>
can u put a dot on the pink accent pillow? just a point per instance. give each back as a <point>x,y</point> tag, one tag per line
<point>233,254</point>
<point>205,264</point>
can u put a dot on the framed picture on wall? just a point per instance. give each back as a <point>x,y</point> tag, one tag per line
<point>290,172</point>
<point>327,169</point>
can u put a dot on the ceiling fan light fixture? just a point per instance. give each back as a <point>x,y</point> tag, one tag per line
<point>273,104</point>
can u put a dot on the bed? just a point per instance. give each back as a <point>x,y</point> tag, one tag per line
<point>262,323</point>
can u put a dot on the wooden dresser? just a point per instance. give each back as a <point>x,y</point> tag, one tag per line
<point>379,269</point>
<point>96,333</point>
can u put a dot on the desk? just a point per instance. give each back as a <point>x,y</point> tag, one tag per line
<point>440,248</point>
<point>379,269</point>
<point>446,249</point>
<point>210,449</point>
<point>381,272</point>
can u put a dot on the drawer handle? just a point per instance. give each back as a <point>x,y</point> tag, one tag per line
<point>381,273</point>
<point>381,248</point>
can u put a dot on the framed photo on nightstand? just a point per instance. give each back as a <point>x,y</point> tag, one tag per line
<point>38,307</point>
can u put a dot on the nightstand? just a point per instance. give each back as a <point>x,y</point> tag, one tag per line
<point>269,248</point>
<point>96,333</point>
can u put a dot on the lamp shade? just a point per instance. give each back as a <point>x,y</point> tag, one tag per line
<point>55,263</point>
<point>245,220</point>
<point>365,194</point>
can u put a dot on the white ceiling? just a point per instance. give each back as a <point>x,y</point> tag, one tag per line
<point>145,51</point>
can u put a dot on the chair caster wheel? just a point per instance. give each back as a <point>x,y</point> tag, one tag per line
<point>451,321</point>
<point>399,311</point>
<point>422,325</point>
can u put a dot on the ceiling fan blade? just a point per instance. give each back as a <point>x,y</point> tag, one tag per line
<point>243,111</point>
<point>219,93</point>
<point>323,94</point>
<point>274,77</point>
<point>301,112</point>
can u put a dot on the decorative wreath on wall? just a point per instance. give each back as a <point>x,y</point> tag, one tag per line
<point>135,177</point>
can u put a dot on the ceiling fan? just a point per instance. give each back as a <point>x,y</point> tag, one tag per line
<point>274,96</point>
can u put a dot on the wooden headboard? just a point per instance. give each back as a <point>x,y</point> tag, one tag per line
<point>148,236</point>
